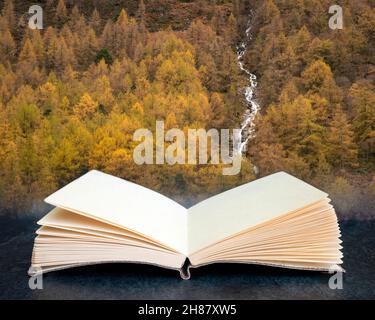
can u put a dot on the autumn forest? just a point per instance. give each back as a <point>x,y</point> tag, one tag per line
<point>73,93</point>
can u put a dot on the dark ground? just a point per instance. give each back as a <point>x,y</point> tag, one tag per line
<point>131,281</point>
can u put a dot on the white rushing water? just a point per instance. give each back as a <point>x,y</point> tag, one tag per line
<point>252,107</point>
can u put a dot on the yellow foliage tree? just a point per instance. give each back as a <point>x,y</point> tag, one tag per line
<point>86,107</point>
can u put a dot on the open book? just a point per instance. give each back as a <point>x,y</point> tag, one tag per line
<point>278,220</point>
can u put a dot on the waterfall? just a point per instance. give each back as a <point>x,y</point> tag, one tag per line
<point>252,107</point>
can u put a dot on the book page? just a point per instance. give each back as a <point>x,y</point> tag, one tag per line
<point>125,204</point>
<point>67,220</point>
<point>246,206</point>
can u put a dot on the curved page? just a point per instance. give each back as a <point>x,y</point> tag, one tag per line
<point>125,204</point>
<point>246,206</point>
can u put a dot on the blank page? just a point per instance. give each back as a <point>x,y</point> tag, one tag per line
<point>246,206</point>
<point>125,204</point>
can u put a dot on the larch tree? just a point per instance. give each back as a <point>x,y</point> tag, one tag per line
<point>141,12</point>
<point>86,107</point>
<point>7,47</point>
<point>61,15</point>
<point>363,105</point>
<point>318,78</point>
<point>8,14</point>
<point>342,149</point>
<point>95,21</point>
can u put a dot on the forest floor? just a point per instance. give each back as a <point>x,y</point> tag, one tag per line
<point>222,281</point>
